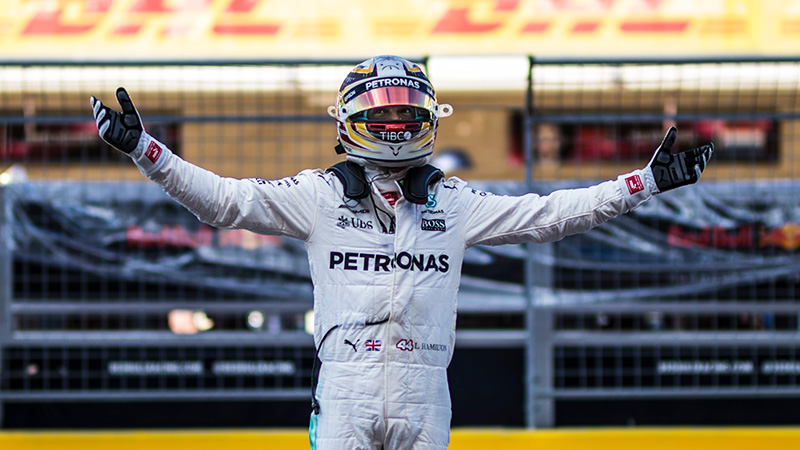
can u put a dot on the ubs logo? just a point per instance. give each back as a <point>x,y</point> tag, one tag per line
<point>344,222</point>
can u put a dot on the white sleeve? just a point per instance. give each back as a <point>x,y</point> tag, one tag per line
<point>285,206</point>
<point>495,220</point>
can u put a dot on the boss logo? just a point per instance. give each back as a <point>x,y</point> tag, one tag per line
<point>434,225</point>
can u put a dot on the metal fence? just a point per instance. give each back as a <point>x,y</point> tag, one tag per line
<point>111,291</point>
<point>693,295</point>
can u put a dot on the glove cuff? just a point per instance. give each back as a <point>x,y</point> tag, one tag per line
<point>650,180</point>
<point>637,187</point>
<point>149,154</point>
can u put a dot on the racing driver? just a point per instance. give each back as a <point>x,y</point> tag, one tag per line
<point>385,234</point>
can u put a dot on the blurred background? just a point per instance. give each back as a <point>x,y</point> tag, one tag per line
<point>118,309</point>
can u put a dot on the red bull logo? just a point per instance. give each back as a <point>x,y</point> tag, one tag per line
<point>786,237</point>
<point>745,237</point>
<point>714,237</point>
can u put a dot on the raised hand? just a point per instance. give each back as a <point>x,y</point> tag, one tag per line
<point>122,130</point>
<point>673,170</point>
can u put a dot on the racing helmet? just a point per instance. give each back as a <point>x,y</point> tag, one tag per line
<point>370,138</point>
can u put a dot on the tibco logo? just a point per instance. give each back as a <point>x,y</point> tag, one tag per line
<point>384,263</point>
<point>394,136</point>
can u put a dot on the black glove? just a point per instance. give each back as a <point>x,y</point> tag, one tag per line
<point>673,170</point>
<point>121,130</point>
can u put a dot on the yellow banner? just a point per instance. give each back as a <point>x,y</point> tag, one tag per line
<point>265,29</point>
<point>631,438</point>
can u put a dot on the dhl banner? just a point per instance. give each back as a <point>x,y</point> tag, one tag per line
<point>302,29</point>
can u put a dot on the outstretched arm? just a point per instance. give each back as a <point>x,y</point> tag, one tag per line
<point>256,205</point>
<point>494,220</point>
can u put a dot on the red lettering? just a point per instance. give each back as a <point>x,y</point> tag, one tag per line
<point>49,22</point>
<point>127,29</point>
<point>240,6</point>
<point>158,6</point>
<point>654,26</point>
<point>98,6</point>
<point>230,24</point>
<point>457,21</point>
<point>254,29</point>
<point>169,236</point>
<point>716,237</point>
<point>585,27</point>
<point>506,5</point>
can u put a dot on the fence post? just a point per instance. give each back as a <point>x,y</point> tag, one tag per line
<point>539,409</point>
<point>5,285</point>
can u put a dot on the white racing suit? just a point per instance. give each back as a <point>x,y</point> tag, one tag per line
<point>387,302</point>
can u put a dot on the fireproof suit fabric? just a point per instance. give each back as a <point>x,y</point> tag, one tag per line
<point>388,300</point>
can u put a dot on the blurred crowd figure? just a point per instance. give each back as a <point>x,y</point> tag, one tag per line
<point>549,141</point>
